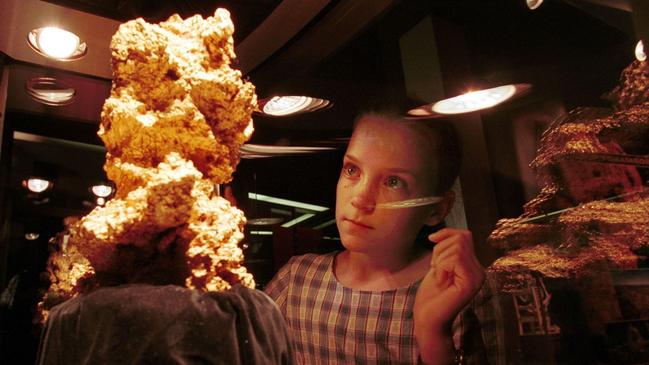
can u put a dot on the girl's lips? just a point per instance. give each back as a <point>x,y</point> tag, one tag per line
<point>359,224</point>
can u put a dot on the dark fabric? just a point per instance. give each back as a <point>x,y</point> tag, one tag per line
<point>144,324</point>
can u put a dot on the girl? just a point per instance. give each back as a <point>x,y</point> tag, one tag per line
<point>386,298</point>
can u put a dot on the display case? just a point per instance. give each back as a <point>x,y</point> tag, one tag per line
<point>553,183</point>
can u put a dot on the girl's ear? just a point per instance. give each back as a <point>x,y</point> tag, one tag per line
<point>441,209</point>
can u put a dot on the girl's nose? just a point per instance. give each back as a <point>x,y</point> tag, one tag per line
<point>364,198</point>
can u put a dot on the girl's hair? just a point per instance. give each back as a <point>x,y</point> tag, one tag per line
<point>443,141</point>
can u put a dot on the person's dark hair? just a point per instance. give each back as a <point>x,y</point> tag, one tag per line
<point>443,140</point>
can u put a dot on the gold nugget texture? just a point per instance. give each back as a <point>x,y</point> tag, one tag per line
<point>593,208</point>
<point>173,125</point>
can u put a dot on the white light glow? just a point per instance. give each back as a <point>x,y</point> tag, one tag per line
<point>640,55</point>
<point>474,100</point>
<point>285,105</point>
<point>262,233</point>
<point>290,203</point>
<point>101,201</point>
<point>32,236</point>
<point>264,221</point>
<point>49,91</point>
<point>279,106</point>
<point>57,43</point>
<point>325,224</point>
<point>297,220</point>
<point>533,4</point>
<point>102,190</point>
<point>37,185</point>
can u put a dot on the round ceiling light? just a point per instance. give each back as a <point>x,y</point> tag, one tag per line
<point>50,91</point>
<point>102,190</point>
<point>252,151</point>
<point>474,100</point>
<point>37,185</point>
<point>57,43</point>
<point>280,106</point>
<point>533,4</point>
<point>640,55</point>
<point>31,236</point>
<point>264,221</point>
<point>471,101</point>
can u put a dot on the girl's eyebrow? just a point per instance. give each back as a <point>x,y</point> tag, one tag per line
<point>398,170</point>
<point>401,171</point>
<point>351,158</point>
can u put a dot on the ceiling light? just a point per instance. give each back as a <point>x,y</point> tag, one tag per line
<point>474,100</point>
<point>57,43</point>
<point>471,101</point>
<point>37,185</point>
<point>290,203</point>
<point>533,4</point>
<point>639,52</point>
<point>49,91</point>
<point>281,106</point>
<point>249,151</point>
<point>102,190</point>
<point>325,224</point>
<point>297,220</point>
<point>264,221</point>
<point>262,233</point>
<point>31,236</point>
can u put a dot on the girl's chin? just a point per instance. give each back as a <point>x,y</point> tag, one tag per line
<point>355,244</point>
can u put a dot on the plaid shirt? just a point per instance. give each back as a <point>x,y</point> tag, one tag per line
<point>333,324</point>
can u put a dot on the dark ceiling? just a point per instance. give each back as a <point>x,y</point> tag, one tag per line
<point>246,14</point>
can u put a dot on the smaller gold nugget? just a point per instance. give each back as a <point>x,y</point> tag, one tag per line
<point>593,208</point>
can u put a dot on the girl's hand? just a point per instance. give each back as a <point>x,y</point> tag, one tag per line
<point>455,276</point>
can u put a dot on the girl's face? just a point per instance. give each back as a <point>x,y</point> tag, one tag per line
<point>384,162</point>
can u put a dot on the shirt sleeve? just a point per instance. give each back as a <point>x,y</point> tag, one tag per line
<point>277,288</point>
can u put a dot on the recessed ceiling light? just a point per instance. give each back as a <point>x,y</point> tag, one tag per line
<point>260,233</point>
<point>297,220</point>
<point>57,43</point>
<point>281,106</point>
<point>50,91</point>
<point>471,101</point>
<point>640,55</point>
<point>250,151</point>
<point>37,185</point>
<point>533,4</point>
<point>32,236</point>
<point>264,221</point>
<point>289,203</point>
<point>102,190</point>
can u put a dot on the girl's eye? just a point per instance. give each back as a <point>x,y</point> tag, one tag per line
<point>394,182</point>
<point>350,170</point>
